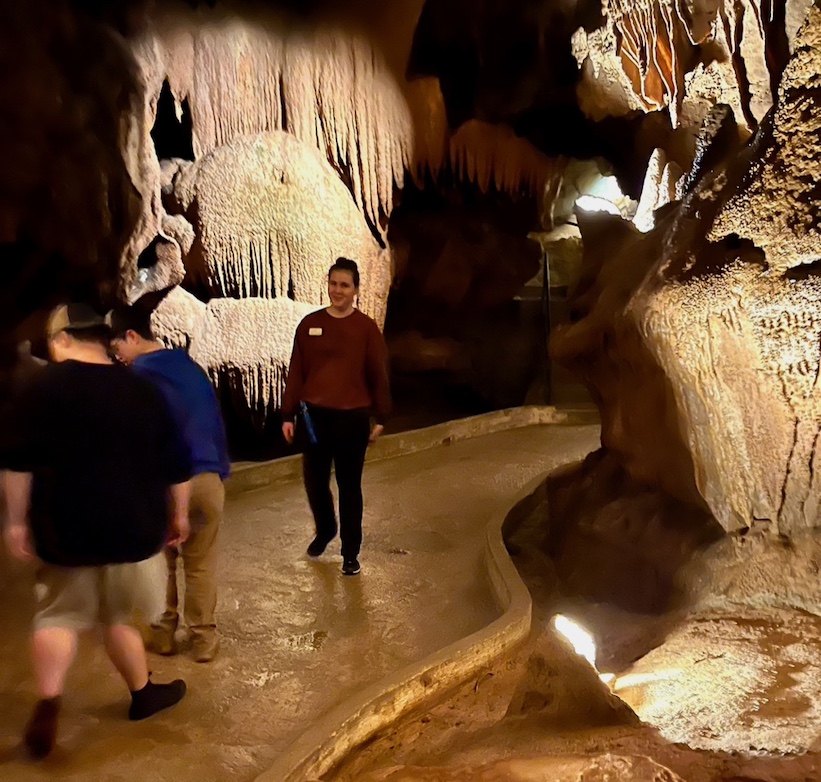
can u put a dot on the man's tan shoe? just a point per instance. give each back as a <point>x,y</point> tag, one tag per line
<point>162,641</point>
<point>204,648</point>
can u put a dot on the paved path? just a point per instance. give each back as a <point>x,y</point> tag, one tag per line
<point>298,637</point>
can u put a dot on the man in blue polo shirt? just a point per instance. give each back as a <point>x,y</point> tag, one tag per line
<point>195,408</point>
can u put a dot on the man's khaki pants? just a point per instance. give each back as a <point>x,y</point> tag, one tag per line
<point>199,556</point>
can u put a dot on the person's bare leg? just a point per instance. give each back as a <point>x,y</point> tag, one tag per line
<point>126,650</point>
<point>125,647</point>
<point>52,652</point>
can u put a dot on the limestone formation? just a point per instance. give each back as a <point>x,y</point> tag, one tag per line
<point>247,365</point>
<point>700,340</point>
<point>660,183</point>
<point>489,154</point>
<point>327,86</point>
<point>271,216</point>
<point>776,207</point>
<point>687,55</point>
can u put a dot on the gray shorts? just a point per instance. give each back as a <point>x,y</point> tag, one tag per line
<point>80,598</point>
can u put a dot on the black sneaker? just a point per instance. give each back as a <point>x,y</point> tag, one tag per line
<point>350,567</point>
<point>155,697</point>
<point>41,732</point>
<point>318,546</point>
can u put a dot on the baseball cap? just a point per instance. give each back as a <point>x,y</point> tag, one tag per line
<point>74,317</point>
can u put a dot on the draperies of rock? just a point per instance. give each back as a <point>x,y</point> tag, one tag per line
<point>654,54</point>
<point>327,86</point>
<point>270,216</point>
<point>651,42</point>
<point>710,328</point>
<point>249,365</point>
<point>492,154</point>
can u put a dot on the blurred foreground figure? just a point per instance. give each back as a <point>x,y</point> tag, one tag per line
<point>96,486</point>
<point>195,409</point>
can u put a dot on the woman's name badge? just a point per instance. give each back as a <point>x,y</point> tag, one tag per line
<point>315,332</point>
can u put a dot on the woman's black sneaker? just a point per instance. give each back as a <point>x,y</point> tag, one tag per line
<point>318,546</point>
<point>350,567</point>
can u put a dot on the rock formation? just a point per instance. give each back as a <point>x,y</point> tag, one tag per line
<point>700,340</point>
<point>270,216</point>
<point>248,365</point>
<point>687,56</point>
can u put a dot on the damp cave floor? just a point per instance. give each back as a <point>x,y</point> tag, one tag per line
<point>298,638</point>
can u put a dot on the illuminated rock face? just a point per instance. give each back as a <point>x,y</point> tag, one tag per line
<point>700,340</point>
<point>687,56</point>
<point>270,216</point>
<point>243,344</point>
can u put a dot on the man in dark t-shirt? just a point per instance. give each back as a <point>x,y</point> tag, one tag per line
<point>90,477</point>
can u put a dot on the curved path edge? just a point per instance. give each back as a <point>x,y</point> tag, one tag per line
<point>252,476</point>
<point>355,720</point>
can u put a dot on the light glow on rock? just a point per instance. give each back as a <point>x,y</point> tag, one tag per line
<point>581,641</point>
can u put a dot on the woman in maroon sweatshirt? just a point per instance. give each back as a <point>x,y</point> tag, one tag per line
<point>338,379</point>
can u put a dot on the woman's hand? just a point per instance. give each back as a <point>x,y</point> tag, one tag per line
<point>18,542</point>
<point>375,433</point>
<point>288,432</point>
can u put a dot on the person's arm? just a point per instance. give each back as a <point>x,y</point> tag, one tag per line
<point>293,390</point>
<point>179,525</point>
<point>17,535</point>
<point>177,468</point>
<point>377,371</point>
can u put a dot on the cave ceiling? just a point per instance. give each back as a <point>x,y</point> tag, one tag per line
<point>577,78</point>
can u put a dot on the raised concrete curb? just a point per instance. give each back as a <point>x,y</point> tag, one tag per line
<point>248,477</point>
<point>317,751</point>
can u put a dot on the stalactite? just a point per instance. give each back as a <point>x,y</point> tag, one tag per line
<point>328,87</point>
<point>657,44</point>
<point>271,216</point>
<point>493,155</point>
<point>427,106</point>
<point>251,363</point>
<point>652,35</point>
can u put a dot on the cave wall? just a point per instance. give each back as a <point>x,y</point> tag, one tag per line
<point>699,340</point>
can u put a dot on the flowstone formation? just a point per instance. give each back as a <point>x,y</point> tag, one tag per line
<point>700,343</point>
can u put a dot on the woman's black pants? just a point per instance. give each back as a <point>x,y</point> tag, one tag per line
<point>341,440</point>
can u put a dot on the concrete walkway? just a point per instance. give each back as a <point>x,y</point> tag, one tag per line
<point>298,637</point>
